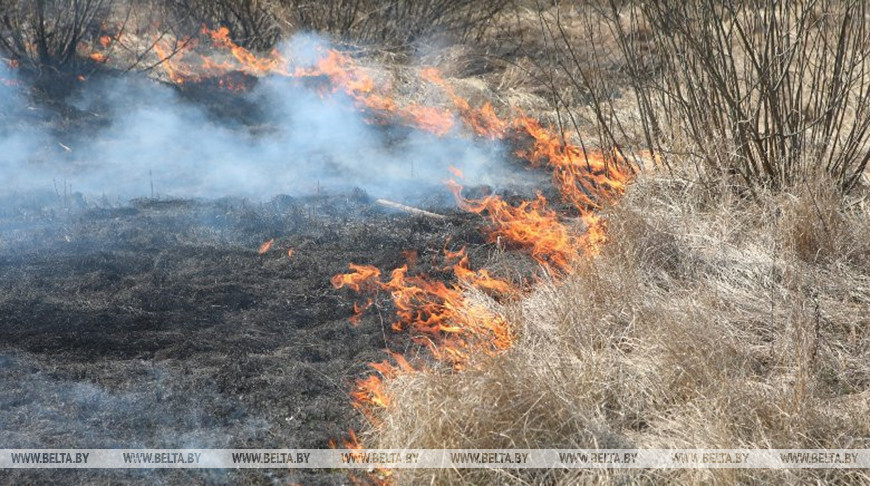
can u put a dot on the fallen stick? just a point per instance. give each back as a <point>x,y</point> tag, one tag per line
<point>408,209</point>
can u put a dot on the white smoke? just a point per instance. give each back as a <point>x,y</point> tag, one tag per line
<point>146,137</point>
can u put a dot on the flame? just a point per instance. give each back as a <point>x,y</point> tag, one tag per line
<point>98,57</point>
<point>438,316</point>
<point>343,74</point>
<point>433,120</point>
<point>363,278</point>
<point>532,225</point>
<point>260,66</point>
<point>376,477</point>
<point>584,178</point>
<point>351,442</point>
<point>483,121</point>
<point>171,62</point>
<point>441,316</point>
<point>358,310</point>
<point>595,235</point>
<point>290,253</point>
<point>265,247</point>
<point>369,392</point>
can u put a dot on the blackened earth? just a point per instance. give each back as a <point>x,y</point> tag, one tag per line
<point>156,324</point>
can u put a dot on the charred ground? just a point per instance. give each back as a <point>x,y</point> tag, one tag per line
<point>158,324</point>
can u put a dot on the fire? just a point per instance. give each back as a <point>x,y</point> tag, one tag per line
<point>171,61</point>
<point>584,178</point>
<point>364,277</point>
<point>594,236</point>
<point>440,316</point>
<point>343,74</point>
<point>369,392</point>
<point>378,477</point>
<point>358,310</point>
<point>427,118</point>
<point>265,247</point>
<point>532,226</point>
<point>484,121</point>
<point>98,57</point>
<point>290,253</point>
<point>260,66</point>
<point>351,442</point>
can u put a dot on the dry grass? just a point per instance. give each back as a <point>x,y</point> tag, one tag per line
<point>707,322</point>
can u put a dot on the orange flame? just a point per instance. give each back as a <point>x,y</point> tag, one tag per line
<point>221,39</point>
<point>369,392</point>
<point>438,316</point>
<point>377,477</point>
<point>484,121</point>
<point>265,247</point>
<point>584,178</point>
<point>364,277</point>
<point>532,226</point>
<point>171,62</point>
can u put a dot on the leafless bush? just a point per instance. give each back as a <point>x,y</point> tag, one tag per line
<point>252,23</point>
<point>258,24</point>
<point>44,34</point>
<point>770,93</point>
<point>393,23</point>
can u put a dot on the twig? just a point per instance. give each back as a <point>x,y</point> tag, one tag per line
<point>408,209</point>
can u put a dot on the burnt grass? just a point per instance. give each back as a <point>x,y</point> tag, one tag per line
<point>157,324</point>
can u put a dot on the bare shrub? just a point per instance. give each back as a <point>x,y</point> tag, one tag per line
<point>393,23</point>
<point>44,34</point>
<point>252,23</point>
<point>770,95</point>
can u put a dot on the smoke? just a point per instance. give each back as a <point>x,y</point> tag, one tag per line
<point>139,138</point>
<point>20,135</point>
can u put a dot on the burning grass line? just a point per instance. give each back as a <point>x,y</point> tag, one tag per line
<point>438,316</point>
